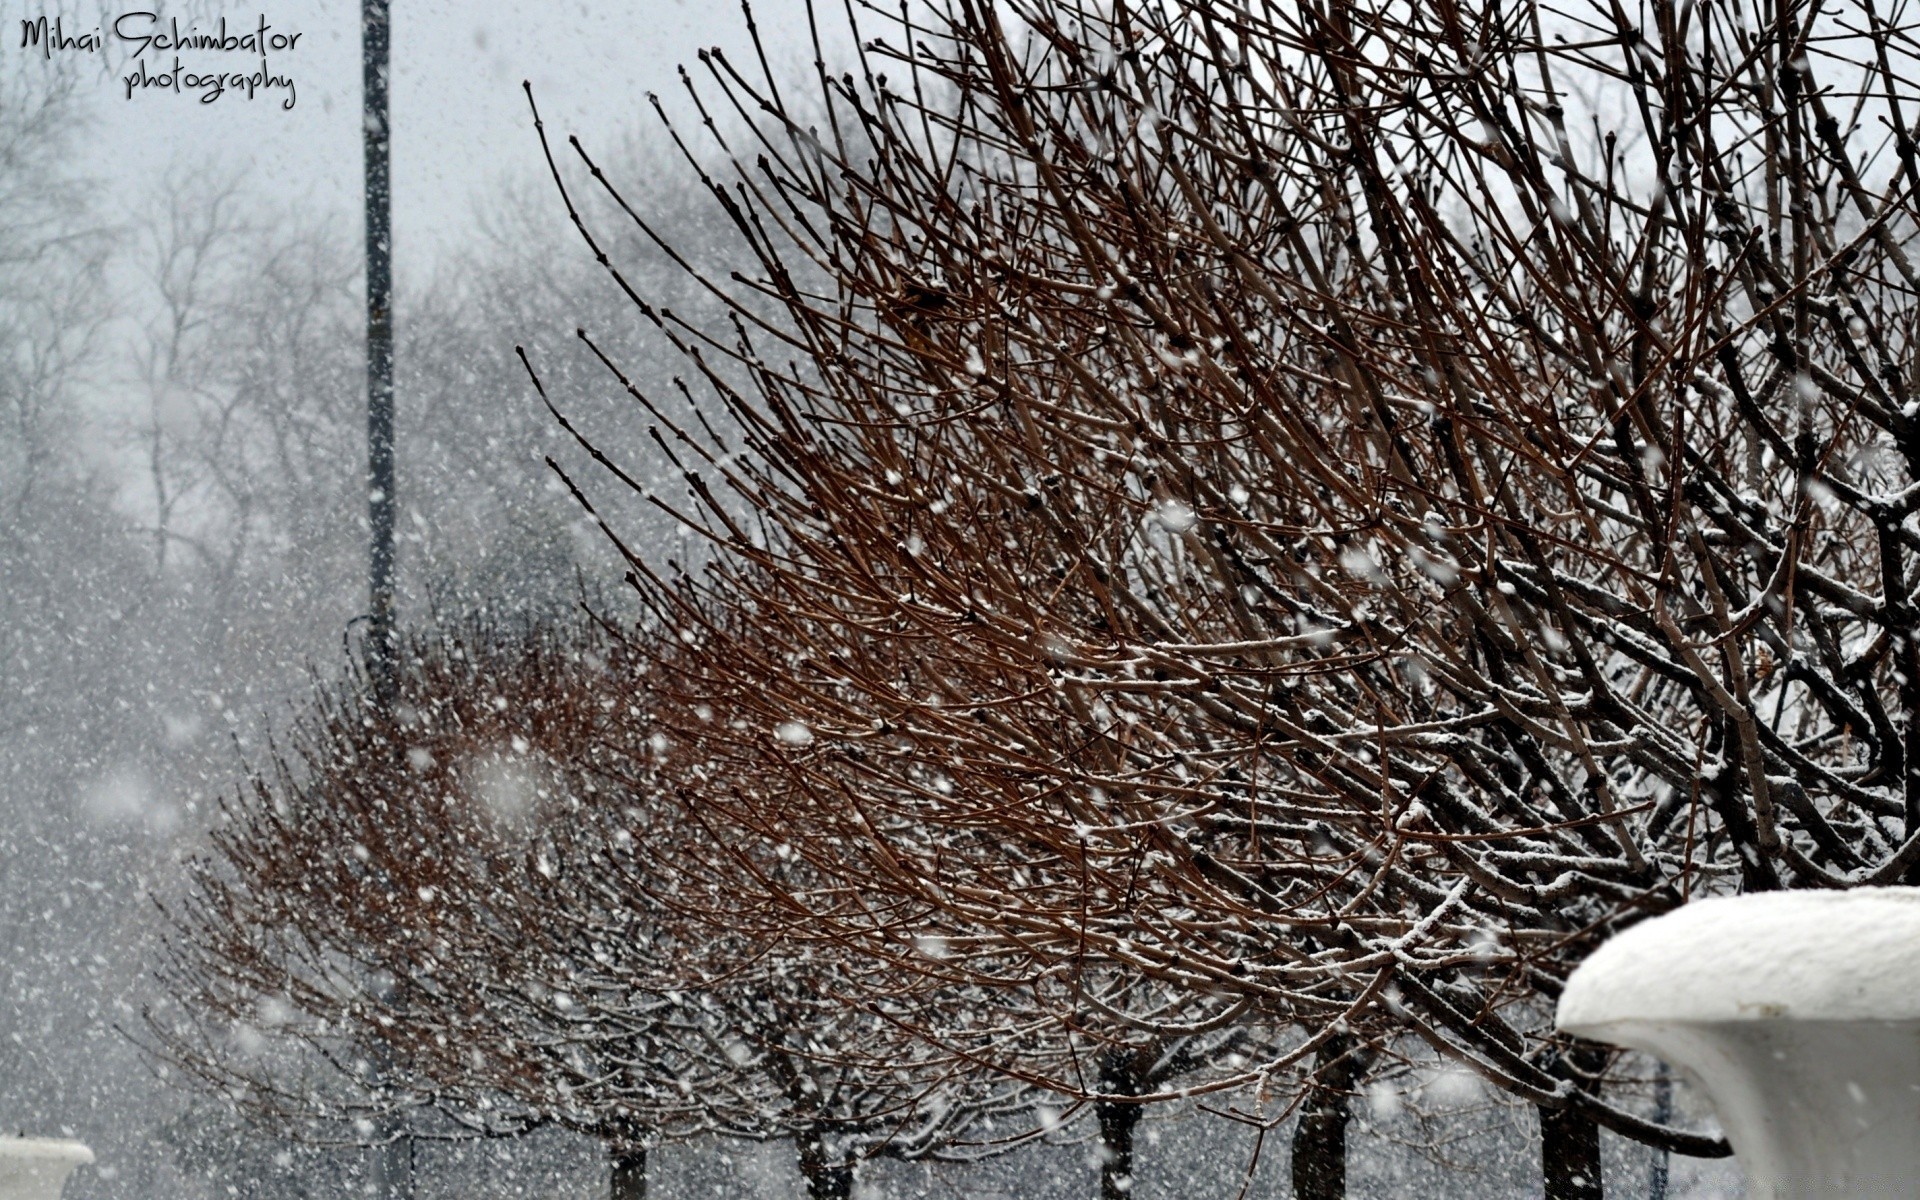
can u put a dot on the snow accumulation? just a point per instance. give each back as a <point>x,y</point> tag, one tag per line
<point>1795,1012</point>
<point>1814,955</point>
<point>35,1168</point>
<point>43,1150</point>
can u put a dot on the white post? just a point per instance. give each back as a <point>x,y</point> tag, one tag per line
<point>37,1168</point>
<point>1798,1013</point>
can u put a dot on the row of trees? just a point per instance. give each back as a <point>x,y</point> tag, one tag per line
<point>1238,542</point>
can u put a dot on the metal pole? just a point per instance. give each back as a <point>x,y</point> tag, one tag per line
<point>392,1165</point>
<point>380,482</point>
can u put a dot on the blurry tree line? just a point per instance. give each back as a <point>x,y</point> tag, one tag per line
<point>182,550</point>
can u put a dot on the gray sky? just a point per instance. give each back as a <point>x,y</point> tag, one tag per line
<point>460,119</point>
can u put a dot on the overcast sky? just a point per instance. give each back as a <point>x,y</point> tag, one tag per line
<point>460,119</point>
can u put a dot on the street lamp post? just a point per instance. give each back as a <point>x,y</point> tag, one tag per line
<point>392,1165</point>
<point>380,482</point>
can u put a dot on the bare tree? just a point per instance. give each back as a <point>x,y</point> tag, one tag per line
<point>245,373</point>
<point>481,881</point>
<point>52,256</point>
<point>1359,503</point>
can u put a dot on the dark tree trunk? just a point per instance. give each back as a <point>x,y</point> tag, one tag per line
<point>826,1178</point>
<point>1570,1155</point>
<point>627,1171</point>
<point>393,1167</point>
<point>1320,1139</point>
<point>1117,1122</point>
<point>1569,1139</point>
<point>1119,1077</point>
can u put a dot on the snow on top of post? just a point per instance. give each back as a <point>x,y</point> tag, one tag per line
<point>1815,955</point>
<point>59,1149</point>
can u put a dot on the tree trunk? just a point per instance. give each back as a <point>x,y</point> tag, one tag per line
<point>1117,1122</point>
<point>1570,1155</point>
<point>627,1176</point>
<point>1320,1138</point>
<point>1569,1139</point>
<point>392,1168</point>
<point>826,1179</point>
<point>1119,1077</point>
